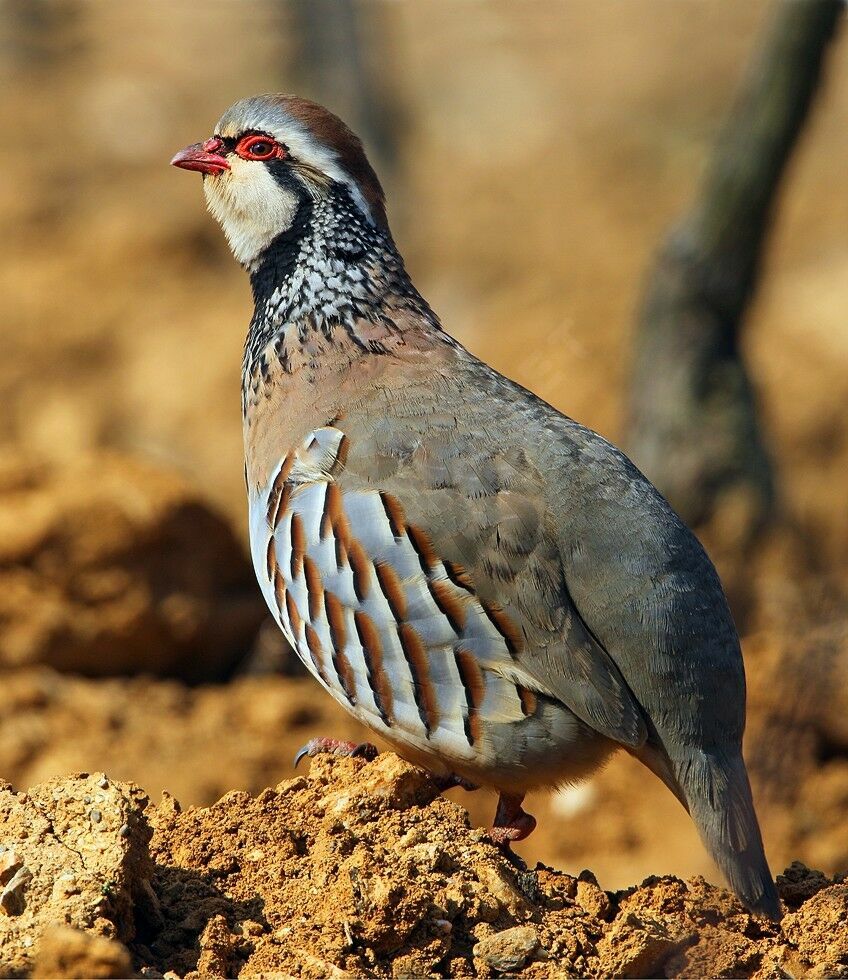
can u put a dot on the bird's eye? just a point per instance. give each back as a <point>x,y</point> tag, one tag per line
<point>258,148</point>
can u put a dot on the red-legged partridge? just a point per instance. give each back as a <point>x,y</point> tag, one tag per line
<point>493,588</point>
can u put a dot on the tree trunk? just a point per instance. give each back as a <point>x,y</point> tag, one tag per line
<point>693,422</point>
<point>336,57</point>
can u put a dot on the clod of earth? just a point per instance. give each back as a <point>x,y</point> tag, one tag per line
<point>111,566</point>
<point>357,869</point>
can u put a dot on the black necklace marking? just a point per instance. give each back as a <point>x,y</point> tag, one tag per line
<point>280,258</point>
<point>330,268</point>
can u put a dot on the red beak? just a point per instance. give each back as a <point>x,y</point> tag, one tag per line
<point>202,157</point>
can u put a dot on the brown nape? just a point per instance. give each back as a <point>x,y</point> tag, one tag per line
<point>331,131</point>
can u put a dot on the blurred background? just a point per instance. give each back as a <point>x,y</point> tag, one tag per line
<point>637,209</point>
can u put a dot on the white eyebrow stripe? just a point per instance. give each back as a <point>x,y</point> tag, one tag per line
<point>306,149</point>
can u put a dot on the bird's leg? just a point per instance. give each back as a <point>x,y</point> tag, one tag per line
<point>336,746</point>
<point>511,822</point>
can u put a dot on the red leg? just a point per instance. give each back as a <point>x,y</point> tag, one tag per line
<point>336,746</point>
<point>511,822</point>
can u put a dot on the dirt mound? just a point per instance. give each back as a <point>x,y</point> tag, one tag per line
<point>357,869</point>
<point>111,566</point>
<point>73,852</point>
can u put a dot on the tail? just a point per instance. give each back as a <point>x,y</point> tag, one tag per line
<point>715,790</point>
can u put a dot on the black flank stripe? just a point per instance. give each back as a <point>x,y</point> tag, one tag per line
<point>422,686</point>
<point>372,655</point>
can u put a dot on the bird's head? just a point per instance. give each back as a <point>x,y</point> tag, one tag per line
<point>270,158</point>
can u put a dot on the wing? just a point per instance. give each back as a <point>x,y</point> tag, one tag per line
<point>486,514</point>
<point>414,560</point>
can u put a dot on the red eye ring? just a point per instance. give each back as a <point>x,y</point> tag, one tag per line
<point>258,147</point>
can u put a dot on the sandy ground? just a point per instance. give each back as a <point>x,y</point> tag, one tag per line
<point>357,869</point>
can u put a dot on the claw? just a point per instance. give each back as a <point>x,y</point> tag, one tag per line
<point>451,781</point>
<point>336,746</point>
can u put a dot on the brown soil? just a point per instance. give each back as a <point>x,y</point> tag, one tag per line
<point>356,869</point>
<point>109,566</point>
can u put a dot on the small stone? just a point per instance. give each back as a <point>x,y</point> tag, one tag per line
<point>496,882</point>
<point>9,865</point>
<point>12,900</point>
<point>216,949</point>
<point>104,783</point>
<point>96,816</point>
<point>508,951</point>
<point>426,856</point>
<point>124,831</point>
<point>592,898</point>
<point>66,885</point>
<point>323,968</point>
<point>415,835</point>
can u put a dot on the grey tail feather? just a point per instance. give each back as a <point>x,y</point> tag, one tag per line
<point>717,794</point>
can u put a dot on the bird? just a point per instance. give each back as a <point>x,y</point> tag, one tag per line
<point>491,587</point>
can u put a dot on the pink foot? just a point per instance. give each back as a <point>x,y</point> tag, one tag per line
<point>336,746</point>
<point>511,822</point>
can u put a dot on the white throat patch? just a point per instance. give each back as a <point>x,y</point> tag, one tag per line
<point>251,207</point>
